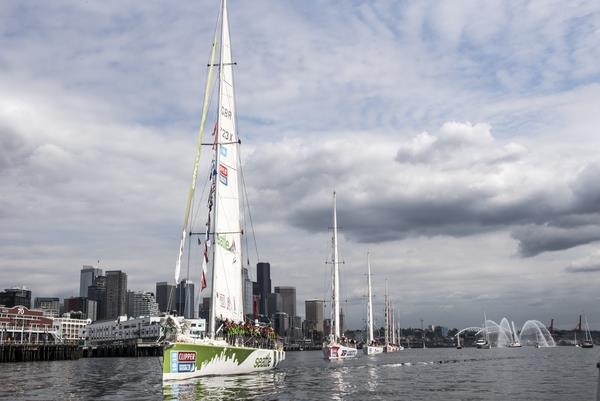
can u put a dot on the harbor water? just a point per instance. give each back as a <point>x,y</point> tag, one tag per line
<point>526,373</point>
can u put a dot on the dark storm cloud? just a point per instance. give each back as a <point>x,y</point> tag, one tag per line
<point>583,269</point>
<point>535,239</point>
<point>459,182</point>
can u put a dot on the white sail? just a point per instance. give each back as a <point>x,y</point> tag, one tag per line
<point>370,302</point>
<point>227,260</point>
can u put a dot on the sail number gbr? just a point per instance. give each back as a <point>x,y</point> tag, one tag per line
<point>225,112</point>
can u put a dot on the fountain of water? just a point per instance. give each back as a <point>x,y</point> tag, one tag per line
<point>535,333</point>
<point>505,335</point>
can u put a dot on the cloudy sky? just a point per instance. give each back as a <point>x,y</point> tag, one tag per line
<point>462,138</point>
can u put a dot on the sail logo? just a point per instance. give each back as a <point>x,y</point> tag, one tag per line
<point>223,150</point>
<point>224,243</point>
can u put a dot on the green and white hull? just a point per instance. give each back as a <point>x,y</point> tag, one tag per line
<point>188,360</point>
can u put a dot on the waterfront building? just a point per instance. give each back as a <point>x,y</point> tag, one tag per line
<point>314,309</point>
<point>70,331</point>
<point>263,280</point>
<point>87,276</point>
<point>16,297</point>
<point>87,307</point>
<point>141,330</point>
<point>97,292</point>
<point>140,303</point>
<point>165,296</point>
<point>247,287</point>
<point>19,324</point>
<point>116,294</point>
<point>49,305</point>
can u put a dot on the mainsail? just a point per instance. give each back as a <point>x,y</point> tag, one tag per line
<point>227,260</point>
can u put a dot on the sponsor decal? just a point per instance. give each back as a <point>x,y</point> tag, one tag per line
<point>263,362</point>
<point>223,179</point>
<point>223,170</point>
<point>186,367</point>
<point>223,150</point>
<point>174,361</point>
<point>224,242</point>
<point>187,356</point>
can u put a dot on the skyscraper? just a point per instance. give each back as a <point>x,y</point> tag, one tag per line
<point>247,286</point>
<point>97,292</point>
<point>116,294</point>
<point>288,300</point>
<point>87,277</point>
<point>165,296</point>
<point>184,299</point>
<point>263,278</point>
<point>314,310</point>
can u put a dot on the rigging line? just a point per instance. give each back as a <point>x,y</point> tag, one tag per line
<point>248,203</point>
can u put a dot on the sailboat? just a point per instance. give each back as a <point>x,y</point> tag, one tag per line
<point>484,343</point>
<point>186,357</point>
<point>389,325</point>
<point>371,347</point>
<point>587,341</point>
<point>335,347</point>
<point>397,336</point>
<point>515,343</point>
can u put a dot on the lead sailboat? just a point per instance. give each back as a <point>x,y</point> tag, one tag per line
<point>371,348</point>
<point>335,347</point>
<point>218,353</point>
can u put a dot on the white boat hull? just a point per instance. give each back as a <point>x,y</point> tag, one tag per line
<point>188,360</point>
<point>392,348</point>
<point>372,349</point>
<point>338,351</point>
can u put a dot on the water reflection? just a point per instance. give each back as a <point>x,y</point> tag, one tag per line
<point>225,387</point>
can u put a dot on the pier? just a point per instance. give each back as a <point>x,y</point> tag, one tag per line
<point>38,352</point>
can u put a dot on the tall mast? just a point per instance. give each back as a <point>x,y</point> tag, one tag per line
<point>393,326</point>
<point>213,293</point>
<point>336,273</point>
<point>387,316</point>
<point>370,301</point>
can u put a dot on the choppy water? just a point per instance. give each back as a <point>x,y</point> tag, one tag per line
<point>561,373</point>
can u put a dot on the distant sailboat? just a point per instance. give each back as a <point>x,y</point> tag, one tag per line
<point>389,325</point>
<point>515,343</point>
<point>483,343</point>
<point>371,348</point>
<point>587,341</point>
<point>185,357</point>
<point>335,347</point>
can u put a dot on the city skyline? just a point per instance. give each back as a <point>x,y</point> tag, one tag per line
<point>460,137</point>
